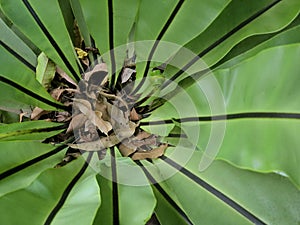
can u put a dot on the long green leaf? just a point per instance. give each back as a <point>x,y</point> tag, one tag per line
<point>23,161</point>
<point>135,203</point>
<point>16,43</point>
<point>21,78</point>
<point>256,192</point>
<point>31,130</point>
<point>82,203</point>
<point>223,38</point>
<point>44,194</point>
<point>35,19</point>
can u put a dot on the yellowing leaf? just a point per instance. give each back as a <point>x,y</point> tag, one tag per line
<point>80,53</point>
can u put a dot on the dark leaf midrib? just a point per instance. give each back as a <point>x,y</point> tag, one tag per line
<point>68,190</point>
<point>219,41</point>
<point>51,39</point>
<point>164,193</point>
<point>31,162</point>
<point>236,116</point>
<point>35,130</point>
<point>32,94</point>
<point>115,195</point>
<point>18,56</point>
<point>154,47</point>
<point>230,202</point>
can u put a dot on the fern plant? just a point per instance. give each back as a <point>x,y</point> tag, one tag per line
<point>149,112</point>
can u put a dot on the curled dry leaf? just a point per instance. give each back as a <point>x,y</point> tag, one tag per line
<point>22,115</point>
<point>56,93</point>
<point>62,117</point>
<point>152,154</point>
<point>112,96</point>
<point>120,123</point>
<point>65,76</point>
<point>127,73</point>
<point>103,125</point>
<point>95,117</point>
<point>76,122</point>
<point>134,115</point>
<point>125,150</point>
<point>85,61</point>
<point>99,106</point>
<point>89,133</point>
<point>130,145</point>
<point>98,145</point>
<point>37,113</point>
<point>98,68</point>
<point>68,158</point>
<point>84,106</point>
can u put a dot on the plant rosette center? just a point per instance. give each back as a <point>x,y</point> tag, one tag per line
<point>135,111</point>
<point>103,119</point>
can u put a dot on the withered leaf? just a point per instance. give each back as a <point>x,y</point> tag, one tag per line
<point>102,67</point>
<point>76,122</point>
<point>85,61</point>
<point>64,75</point>
<point>152,154</point>
<point>98,145</point>
<point>120,123</point>
<point>125,150</point>
<point>90,132</point>
<point>83,105</point>
<point>37,113</point>
<point>99,106</point>
<point>95,117</point>
<point>126,74</point>
<point>21,116</point>
<point>134,115</point>
<point>62,117</point>
<point>56,93</point>
<point>103,125</point>
<point>68,158</point>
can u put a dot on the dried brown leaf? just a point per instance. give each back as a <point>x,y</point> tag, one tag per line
<point>125,150</point>
<point>134,115</point>
<point>85,61</point>
<point>21,116</point>
<point>120,122</point>
<point>95,117</point>
<point>103,125</point>
<point>65,76</point>
<point>152,154</point>
<point>98,68</point>
<point>98,145</point>
<point>76,122</point>
<point>83,105</point>
<point>99,106</point>
<point>127,73</point>
<point>37,113</point>
<point>62,117</point>
<point>56,93</point>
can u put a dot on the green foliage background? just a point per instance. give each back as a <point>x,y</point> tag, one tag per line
<point>253,49</point>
